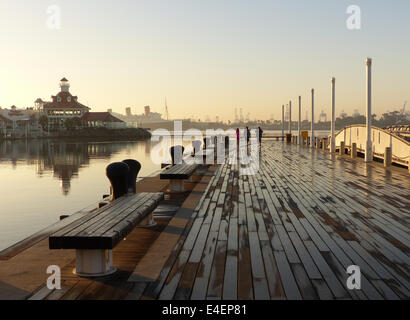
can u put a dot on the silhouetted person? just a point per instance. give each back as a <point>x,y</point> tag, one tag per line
<point>237,136</point>
<point>248,135</point>
<point>260,134</point>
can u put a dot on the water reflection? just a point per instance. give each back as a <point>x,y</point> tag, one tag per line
<point>62,159</point>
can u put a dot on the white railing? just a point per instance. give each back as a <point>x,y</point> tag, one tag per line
<point>381,139</point>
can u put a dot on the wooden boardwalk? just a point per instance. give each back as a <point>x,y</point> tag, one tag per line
<point>291,231</point>
<point>288,232</point>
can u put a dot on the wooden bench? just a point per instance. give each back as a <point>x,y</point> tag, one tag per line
<point>177,174</point>
<point>96,234</point>
<point>204,154</point>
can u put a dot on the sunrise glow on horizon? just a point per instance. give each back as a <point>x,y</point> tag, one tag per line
<point>206,58</point>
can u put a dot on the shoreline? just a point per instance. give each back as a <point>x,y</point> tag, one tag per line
<point>87,134</point>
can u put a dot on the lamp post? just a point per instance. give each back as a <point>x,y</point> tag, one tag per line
<point>332,139</point>
<point>312,128</point>
<point>283,120</point>
<point>369,151</point>
<point>290,117</point>
<point>300,121</point>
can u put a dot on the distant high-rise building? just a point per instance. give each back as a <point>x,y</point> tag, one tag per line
<point>323,116</point>
<point>109,110</point>
<point>128,112</point>
<point>147,110</point>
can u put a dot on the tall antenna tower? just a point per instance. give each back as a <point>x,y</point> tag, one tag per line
<point>166,110</point>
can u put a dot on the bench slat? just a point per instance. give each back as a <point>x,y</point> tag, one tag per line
<point>179,171</point>
<point>88,217</point>
<point>116,225</point>
<point>90,226</point>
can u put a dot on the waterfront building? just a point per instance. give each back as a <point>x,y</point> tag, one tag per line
<point>102,119</point>
<point>16,122</point>
<point>62,107</point>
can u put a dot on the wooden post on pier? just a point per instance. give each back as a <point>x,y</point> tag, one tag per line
<point>312,129</point>
<point>324,143</point>
<point>317,141</point>
<point>369,152</point>
<point>353,151</point>
<point>388,157</point>
<point>342,148</point>
<point>332,141</point>
<point>300,122</point>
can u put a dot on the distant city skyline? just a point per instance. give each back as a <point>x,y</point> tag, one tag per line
<point>207,58</point>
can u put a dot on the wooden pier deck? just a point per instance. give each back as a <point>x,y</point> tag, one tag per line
<point>291,231</point>
<point>288,232</point>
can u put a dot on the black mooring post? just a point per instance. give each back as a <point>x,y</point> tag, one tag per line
<point>227,142</point>
<point>196,145</point>
<point>117,173</point>
<point>176,154</point>
<point>135,168</point>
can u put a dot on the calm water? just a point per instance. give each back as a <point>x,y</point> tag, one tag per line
<point>41,180</point>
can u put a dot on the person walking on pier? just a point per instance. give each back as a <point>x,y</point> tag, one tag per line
<point>260,135</point>
<point>237,136</point>
<point>248,135</point>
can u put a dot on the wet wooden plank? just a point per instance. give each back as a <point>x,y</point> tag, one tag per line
<point>245,286</point>
<point>216,278</point>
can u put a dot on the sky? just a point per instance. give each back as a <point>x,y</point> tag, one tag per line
<point>206,57</point>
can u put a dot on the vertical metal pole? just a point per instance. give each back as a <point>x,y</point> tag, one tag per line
<point>283,120</point>
<point>332,140</point>
<point>368,153</point>
<point>312,129</point>
<point>290,117</point>
<point>300,122</point>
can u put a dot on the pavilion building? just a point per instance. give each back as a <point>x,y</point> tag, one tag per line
<point>63,106</point>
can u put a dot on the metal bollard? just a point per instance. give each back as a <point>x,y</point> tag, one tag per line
<point>176,154</point>
<point>324,144</point>
<point>135,168</point>
<point>342,148</point>
<point>196,147</point>
<point>353,152</point>
<point>388,157</point>
<point>207,143</point>
<point>117,173</point>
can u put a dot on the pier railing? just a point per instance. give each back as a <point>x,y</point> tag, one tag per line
<point>381,139</point>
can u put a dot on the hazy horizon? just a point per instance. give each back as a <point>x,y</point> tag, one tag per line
<point>206,58</point>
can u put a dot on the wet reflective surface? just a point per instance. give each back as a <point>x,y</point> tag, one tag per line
<point>41,180</point>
